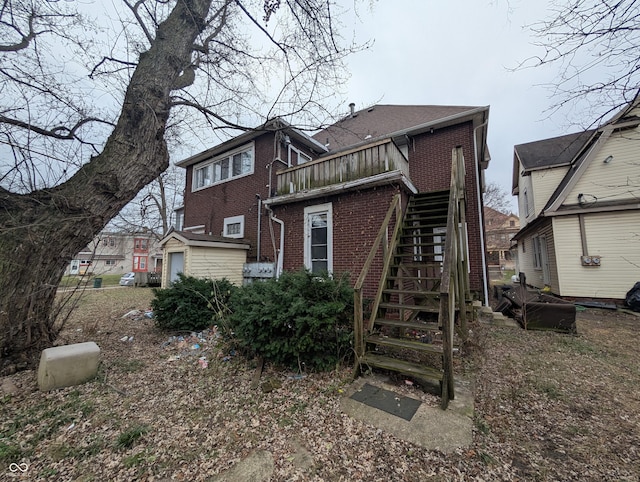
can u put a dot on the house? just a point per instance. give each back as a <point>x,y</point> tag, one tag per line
<point>118,253</point>
<point>390,196</point>
<point>578,196</point>
<point>317,202</point>
<point>500,229</point>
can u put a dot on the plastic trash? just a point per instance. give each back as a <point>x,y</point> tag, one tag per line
<point>632,300</point>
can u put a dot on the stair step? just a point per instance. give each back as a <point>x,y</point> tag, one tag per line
<point>409,325</point>
<point>414,278</point>
<point>411,292</point>
<point>422,226</point>
<point>401,366</point>
<point>402,343</point>
<point>415,255</point>
<point>419,264</point>
<point>401,306</point>
<point>411,245</point>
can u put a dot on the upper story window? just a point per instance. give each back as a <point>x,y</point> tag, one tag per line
<point>140,244</point>
<point>297,157</point>
<point>221,169</point>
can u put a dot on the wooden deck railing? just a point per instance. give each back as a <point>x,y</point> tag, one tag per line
<point>388,248</point>
<point>454,273</point>
<point>377,158</point>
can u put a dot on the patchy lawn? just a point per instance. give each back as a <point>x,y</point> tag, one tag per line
<point>548,407</point>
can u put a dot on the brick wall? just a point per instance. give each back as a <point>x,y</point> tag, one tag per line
<point>430,170</point>
<point>237,197</point>
<point>357,216</point>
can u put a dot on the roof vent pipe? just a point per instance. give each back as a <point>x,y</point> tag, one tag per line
<point>352,106</point>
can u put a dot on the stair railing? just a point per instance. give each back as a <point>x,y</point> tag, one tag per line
<point>388,248</point>
<point>453,273</point>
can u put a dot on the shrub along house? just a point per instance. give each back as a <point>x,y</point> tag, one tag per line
<point>579,210</point>
<point>381,177</point>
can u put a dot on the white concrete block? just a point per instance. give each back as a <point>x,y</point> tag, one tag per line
<point>64,366</point>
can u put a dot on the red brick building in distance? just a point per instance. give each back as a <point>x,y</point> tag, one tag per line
<point>296,201</point>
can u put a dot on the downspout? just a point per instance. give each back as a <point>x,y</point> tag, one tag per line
<point>280,252</point>
<point>259,226</point>
<point>480,215</point>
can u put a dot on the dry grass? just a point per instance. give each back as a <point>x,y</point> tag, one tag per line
<point>548,407</point>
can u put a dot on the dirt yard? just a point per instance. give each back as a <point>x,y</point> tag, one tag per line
<point>548,406</point>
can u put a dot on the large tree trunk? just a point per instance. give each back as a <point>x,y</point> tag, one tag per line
<point>40,232</point>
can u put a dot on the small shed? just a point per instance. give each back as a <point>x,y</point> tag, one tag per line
<point>202,256</point>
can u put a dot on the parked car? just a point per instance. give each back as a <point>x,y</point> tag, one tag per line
<point>128,279</point>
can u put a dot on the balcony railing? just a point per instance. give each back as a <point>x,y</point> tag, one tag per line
<point>383,156</point>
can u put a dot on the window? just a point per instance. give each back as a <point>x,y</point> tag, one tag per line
<point>318,238</point>
<point>297,157</point>
<point>225,168</point>
<point>141,244</point>
<point>140,263</point>
<point>527,212</point>
<point>512,224</point>
<point>233,227</point>
<point>110,262</point>
<point>537,253</point>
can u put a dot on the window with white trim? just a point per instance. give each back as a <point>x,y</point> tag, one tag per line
<point>537,253</point>
<point>318,238</point>
<point>233,227</point>
<point>224,168</point>
<point>297,157</point>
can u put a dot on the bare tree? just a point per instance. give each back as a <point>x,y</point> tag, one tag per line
<point>496,197</point>
<point>596,44</point>
<point>152,209</point>
<point>87,106</point>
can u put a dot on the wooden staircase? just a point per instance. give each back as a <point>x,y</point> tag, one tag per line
<point>411,327</point>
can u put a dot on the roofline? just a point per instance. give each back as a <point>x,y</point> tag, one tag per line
<point>270,126</point>
<point>442,122</point>
<point>419,129</point>
<point>371,181</point>
<point>207,244</point>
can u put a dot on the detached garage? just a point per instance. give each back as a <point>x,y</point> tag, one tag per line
<point>202,256</point>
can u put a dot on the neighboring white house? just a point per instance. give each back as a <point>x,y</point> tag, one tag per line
<point>118,253</point>
<point>579,204</point>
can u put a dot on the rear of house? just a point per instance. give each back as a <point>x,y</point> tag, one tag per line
<point>318,202</point>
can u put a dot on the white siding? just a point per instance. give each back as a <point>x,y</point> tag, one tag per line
<point>524,186</point>
<point>545,183</point>
<point>216,263</point>
<point>171,246</point>
<point>613,236</point>
<point>618,179</point>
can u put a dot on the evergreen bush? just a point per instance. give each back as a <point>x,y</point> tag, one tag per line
<point>191,304</point>
<point>298,320</point>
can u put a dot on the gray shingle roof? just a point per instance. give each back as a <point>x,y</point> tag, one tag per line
<point>381,120</point>
<point>556,151</point>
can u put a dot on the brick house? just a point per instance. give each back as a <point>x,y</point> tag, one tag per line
<point>293,200</point>
<point>500,228</point>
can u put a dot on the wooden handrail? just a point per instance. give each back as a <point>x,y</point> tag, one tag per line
<point>358,315</point>
<point>452,272</point>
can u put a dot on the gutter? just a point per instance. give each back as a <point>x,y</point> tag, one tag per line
<point>480,214</point>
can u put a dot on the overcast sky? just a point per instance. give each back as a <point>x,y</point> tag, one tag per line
<point>460,52</point>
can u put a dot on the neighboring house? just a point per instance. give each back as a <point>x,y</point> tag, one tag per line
<point>118,253</point>
<point>279,196</point>
<point>579,202</point>
<point>500,229</point>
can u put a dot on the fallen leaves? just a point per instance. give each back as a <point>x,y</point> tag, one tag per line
<point>548,407</point>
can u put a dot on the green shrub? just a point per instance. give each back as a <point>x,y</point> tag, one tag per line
<point>297,320</point>
<point>191,303</point>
